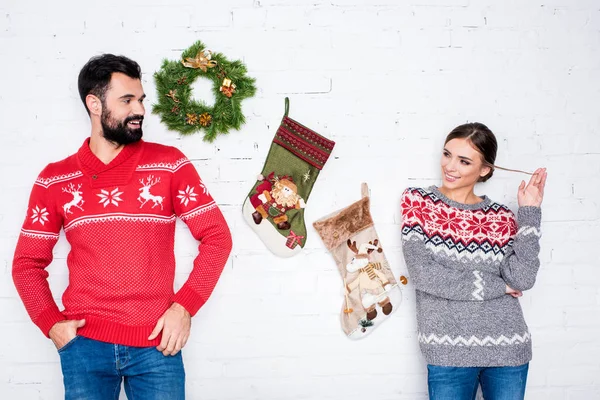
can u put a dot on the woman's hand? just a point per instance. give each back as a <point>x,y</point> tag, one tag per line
<point>513,292</point>
<point>533,193</point>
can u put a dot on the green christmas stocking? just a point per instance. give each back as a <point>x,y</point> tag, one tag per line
<point>274,208</point>
<point>371,293</point>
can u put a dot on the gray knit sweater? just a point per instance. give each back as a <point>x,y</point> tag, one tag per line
<point>460,258</point>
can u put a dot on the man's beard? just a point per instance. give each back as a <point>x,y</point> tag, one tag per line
<point>119,132</point>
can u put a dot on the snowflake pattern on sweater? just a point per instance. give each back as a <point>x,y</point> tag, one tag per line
<point>461,234</point>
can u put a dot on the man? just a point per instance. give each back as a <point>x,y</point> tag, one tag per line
<point>117,200</point>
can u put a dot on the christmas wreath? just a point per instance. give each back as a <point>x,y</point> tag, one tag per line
<point>182,113</point>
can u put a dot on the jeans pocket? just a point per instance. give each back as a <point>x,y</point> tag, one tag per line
<point>69,343</point>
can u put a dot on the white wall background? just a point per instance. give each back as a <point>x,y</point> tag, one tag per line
<point>385,79</point>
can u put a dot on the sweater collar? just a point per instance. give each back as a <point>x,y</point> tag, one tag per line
<point>485,202</point>
<point>117,172</point>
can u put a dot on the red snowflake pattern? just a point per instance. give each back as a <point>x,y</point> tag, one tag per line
<point>479,225</point>
<point>411,208</point>
<point>446,219</point>
<point>496,225</point>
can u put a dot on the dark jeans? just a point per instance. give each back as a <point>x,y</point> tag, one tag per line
<point>93,370</point>
<point>460,383</point>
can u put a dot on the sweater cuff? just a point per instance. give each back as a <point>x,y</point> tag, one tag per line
<point>46,320</point>
<point>189,299</point>
<point>494,286</point>
<point>529,216</point>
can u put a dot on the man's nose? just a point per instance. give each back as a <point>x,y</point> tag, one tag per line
<point>139,109</point>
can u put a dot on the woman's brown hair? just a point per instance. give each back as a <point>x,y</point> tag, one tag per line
<point>482,139</point>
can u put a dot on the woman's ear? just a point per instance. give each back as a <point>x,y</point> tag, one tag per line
<point>485,170</point>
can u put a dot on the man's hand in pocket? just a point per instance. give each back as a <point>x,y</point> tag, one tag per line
<point>63,332</point>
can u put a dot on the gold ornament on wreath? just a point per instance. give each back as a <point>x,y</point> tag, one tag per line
<point>180,112</point>
<point>173,96</point>
<point>202,61</point>
<point>191,119</point>
<point>205,119</point>
<point>227,87</point>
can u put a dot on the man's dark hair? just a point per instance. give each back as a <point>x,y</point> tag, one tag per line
<point>95,75</point>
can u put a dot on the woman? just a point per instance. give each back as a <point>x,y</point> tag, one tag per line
<point>470,260</point>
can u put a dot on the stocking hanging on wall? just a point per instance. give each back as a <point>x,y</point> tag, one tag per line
<point>371,293</point>
<point>274,208</point>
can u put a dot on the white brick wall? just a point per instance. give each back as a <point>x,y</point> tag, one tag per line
<point>387,80</point>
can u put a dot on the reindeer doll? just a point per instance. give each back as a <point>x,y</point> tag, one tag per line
<point>371,282</point>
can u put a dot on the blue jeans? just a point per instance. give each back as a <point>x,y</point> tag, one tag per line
<point>93,370</point>
<point>460,383</point>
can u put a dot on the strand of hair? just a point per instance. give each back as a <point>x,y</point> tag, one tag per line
<point>512,170</point>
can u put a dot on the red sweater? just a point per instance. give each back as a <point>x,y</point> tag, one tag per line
<point>120,221</point>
